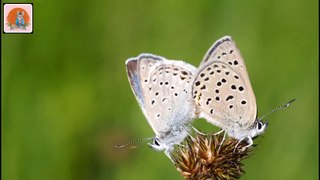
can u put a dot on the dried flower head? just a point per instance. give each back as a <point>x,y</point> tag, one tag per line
<point>211,157</point>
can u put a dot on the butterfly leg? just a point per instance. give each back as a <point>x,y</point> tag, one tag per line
<point>218,132</point>
<point>187,131</point>
<point>235,147</point>
<point>224,137</point>
<point>250,142</point>
<point>167,152</point>
<point>197,131</point>
<point>190,136</point>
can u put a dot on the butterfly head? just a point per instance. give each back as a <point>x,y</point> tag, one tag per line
<point>258,128</point>
<point>158,145</point>
<point>169,139</point>
<point>242,132</point>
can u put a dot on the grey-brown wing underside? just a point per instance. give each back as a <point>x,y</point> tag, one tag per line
<point>163,89</point>
<point>223,70</point>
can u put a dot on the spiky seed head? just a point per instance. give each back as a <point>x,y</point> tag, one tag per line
<point>207,157</point>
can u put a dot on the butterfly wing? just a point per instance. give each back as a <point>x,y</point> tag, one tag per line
<point>163,90</point>
<point>222,88</point>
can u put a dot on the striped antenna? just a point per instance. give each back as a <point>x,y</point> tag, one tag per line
<point>277,109</point>
<point>133,142</point>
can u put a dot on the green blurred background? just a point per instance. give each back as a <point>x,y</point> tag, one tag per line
<point>66,100</point>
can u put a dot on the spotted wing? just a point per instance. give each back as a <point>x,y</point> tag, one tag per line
<point>222,88</point>
<point>163,90</point>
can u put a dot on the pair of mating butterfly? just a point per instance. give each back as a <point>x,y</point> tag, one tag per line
<point>171,93</point>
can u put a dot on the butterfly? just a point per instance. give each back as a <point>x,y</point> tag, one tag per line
<point>223,93</point>
<point>163,90</point>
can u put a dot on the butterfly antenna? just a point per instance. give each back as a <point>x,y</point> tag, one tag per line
<point>277,109</point>
<point>132,142</point>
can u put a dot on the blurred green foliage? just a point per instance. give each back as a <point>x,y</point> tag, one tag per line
<point>66,100</point>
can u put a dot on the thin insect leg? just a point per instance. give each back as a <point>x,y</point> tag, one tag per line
<point>235,147</point>
<point>187,130</point>
<point>224,137</point>
<point>197,131</point>
<point>218,132</point>
<point>190,136</point>
<point>168,154</point>
<point>250,142</point>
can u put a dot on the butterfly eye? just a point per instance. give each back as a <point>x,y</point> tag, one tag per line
<point>259,125</point>
<point>156,142</point>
